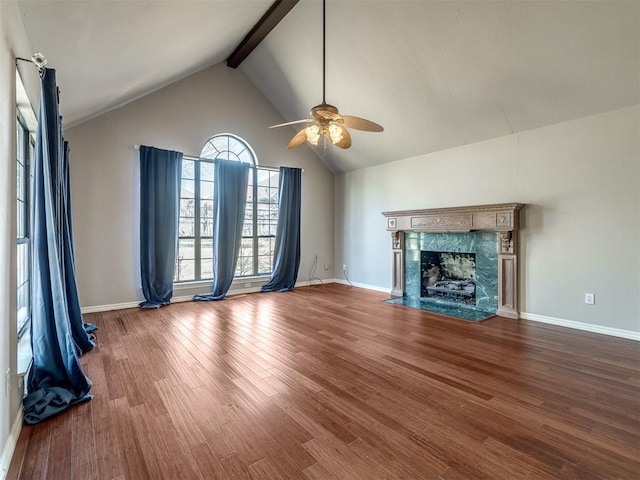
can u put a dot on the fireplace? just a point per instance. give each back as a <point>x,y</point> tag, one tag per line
<point>451,273</point>
<point>489,232</point>
<point>448,276</point>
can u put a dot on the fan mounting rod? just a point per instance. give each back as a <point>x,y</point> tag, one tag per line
<point>324,62</point>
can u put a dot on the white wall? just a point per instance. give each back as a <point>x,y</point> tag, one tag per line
<point>581,182</point>
<point>182,116</point>
<point>12,43</point>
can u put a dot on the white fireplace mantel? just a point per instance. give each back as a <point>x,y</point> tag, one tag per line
<point>503,218</point>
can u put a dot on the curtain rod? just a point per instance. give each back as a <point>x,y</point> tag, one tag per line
<point>37,59</point>
<point>191,157</point>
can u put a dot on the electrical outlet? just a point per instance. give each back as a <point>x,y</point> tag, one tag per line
<point>344,267</point>
<point>7,382</point>
<point>589,298</point>
<point>326,266</point>
<point>247,285</point>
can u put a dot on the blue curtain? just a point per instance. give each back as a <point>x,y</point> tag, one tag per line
<point>58,334</point>
<point>230,201</point>
<point>160,172</point>
<point>286,262</point>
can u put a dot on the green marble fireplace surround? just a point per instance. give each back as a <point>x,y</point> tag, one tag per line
<point>483,244</point>
<point>489,231</point>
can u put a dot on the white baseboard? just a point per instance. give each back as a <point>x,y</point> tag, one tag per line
<point>360,285</point>
<point>182,298</point>
<point>106,308</point>
<point>589,327</point>
<point>10,445</point>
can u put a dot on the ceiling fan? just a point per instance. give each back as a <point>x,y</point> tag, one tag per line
<point>325,119</point>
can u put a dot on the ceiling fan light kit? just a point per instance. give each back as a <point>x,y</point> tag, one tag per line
<point>325,118</point>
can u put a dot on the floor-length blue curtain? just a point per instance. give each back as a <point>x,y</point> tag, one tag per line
<point>230,201</point>
<point>82,332</point>
<point>286,262</point>
<point>160,172</point>
<point>58,335</point>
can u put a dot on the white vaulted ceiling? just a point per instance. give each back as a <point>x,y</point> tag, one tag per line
<point>435,74</point>
<point>107,53</point>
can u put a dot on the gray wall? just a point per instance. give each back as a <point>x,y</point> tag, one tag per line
<point>13,43</point>
<point>182,116</point>
<point>581,181</point>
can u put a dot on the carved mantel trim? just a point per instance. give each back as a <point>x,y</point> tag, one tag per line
<point>503,218</point>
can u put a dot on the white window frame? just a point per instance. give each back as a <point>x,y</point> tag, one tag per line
<point>240,151</point>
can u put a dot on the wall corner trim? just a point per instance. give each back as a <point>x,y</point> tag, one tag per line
<point>10,445</point>
<point>588,327</point>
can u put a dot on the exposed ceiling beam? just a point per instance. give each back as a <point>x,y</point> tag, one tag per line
<point>277,11</point>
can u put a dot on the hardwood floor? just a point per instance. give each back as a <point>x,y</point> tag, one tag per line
<point>328,382</point>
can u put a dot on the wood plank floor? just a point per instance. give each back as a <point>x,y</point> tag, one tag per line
<point>328,382</point>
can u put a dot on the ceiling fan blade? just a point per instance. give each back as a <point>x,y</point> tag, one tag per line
<point>345,140</point>
<point>306,120</point>
<point>298,139</point>
<point>361,124</point>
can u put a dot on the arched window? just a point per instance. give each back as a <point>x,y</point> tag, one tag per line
<point>195,237</point>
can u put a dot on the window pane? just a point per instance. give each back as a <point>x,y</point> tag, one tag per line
<point>273,212</point>
<point>264,246</point>
<point>206,227</point>
<point>187,189</point>
<point>263,229</point>
<point>264,264</point>
<point>20,182</point>
<point>274,180</point>
<point>263,177</point>
<point>21,219</point>
<point>221,143</point>
<point>206,190</point>
<point>185,270</point>
<point>208,151</point>
<point>206,269</point>
<point>247,228</point>
<point>23,263</point>
<point>187,207</point>
<point>273,195</point>
<point>244,267</point>
<point>206,248</point>
<point>263,212</point>
<point>186,249</point>
<point>186,227</point>
<point>246,157</point>
<point>263,193</point>
<point>23,305</point>
<point>273,227</point>
<point>206,208</point>
<point>206,171</point>
<point>246,247</point>
<point>188,169</point>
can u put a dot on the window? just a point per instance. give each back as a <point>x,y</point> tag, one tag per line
<point>195,231</point>
<point>26,125</point>
<point>24,153</point>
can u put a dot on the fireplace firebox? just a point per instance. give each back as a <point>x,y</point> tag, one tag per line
<point>448,276</point>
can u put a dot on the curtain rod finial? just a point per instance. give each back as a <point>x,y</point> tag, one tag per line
<point>39,59</point>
